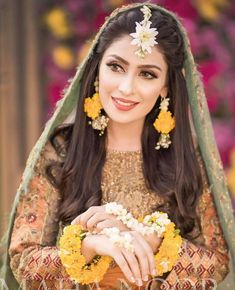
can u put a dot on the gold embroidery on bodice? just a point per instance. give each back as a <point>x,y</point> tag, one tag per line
<point>123,182</point>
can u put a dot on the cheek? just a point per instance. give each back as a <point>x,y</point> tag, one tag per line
<point>148,105</point>
<point>150,95</point>
<point>106,83</point>
<point>149,98</point>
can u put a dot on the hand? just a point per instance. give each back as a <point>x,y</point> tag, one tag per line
<point>154,241</point>
<point>96,219</point>
<point>135,266</point>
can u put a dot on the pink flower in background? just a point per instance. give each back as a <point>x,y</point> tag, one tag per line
<point>81,29</point>
<point>225,138</point>
<point>74,5</point>
<point>210,69</point>
<point>213,98</point>
<point>192,30</point>
<point>213,45</point>
<point>182,8</point>
<point>99,20</point>
<point>229,91</point>
<point>54,91</point>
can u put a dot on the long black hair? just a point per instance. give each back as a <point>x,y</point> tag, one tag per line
<point>172,173</point>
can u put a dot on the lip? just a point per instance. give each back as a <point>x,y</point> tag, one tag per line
<point>123,107</point>
<point>125,101</point>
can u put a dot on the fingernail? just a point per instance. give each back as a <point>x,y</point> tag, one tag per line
<point>139,282</point>
<point>132,279</point>
<point>146,278</point>
<point>154,273</point>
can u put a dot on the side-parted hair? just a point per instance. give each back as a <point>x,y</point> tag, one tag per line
<point>173,173</point>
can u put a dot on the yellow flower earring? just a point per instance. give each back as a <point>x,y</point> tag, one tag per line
<point>164,124</point>
<point>93,107</point>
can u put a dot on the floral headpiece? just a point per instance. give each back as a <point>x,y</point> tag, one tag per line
<point>144,36</point>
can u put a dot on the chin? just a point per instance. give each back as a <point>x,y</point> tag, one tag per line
<point>121,120</point>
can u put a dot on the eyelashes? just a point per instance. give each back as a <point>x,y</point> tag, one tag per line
<point>115,67</point>
<point>148,75</point>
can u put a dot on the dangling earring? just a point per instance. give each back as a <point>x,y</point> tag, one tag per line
<point>93,107</point>
<point>164,124</point>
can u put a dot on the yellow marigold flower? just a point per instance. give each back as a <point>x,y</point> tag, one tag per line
<point>92,106</point>
<point>63,57</point>
<point>57,22</point>
<point>169,250</point>
<point>75,263</point>
<point>164,123</point>
<point>116,3</point>
<point>210,9</point>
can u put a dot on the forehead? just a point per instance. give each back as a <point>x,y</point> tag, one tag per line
<point>123,48</point>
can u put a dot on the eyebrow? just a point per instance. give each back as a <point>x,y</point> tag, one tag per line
<point>140,66</point>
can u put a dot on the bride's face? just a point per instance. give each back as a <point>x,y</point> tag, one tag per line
<point>129,85</point>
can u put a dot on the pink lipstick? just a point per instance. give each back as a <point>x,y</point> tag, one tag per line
<point>123,104</point>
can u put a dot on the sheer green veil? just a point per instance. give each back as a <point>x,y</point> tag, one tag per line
<point>203,130</point>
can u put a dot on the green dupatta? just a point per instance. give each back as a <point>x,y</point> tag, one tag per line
<point>205,138</point>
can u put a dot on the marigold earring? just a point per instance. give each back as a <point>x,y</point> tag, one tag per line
<point>93,107</point>
<point>164,124</point>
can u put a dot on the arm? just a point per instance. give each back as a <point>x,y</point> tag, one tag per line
<point>206,259</point>
<point>33,254</point>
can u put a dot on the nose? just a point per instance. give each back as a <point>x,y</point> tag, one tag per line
<point>126,87</point>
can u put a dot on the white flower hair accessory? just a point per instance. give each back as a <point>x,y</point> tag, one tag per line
<point>144,37</point>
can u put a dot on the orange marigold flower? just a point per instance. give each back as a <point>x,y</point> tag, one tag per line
<point>165,122</point>
<point>169,249</point>
<point>75,263</point>
<point>92,106</point>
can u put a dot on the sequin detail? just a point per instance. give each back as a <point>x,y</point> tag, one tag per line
<point>123,182</point>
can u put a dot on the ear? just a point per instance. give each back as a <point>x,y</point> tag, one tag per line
<point>164,92</point>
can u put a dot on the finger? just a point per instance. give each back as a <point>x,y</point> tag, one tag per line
<point>105,224</point>
<point>142,260</point>
<point>109,224</point>
<point>145,250</point>
<point>134,266</point>
<point>150,254</point>
<point>76,221</point>
<point>95,219</point>
<point>102,217</point>
<point>84,217</point>
<point>123,265</point>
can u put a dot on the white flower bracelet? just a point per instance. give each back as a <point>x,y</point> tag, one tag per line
<point>121,240</point>
<point>154,223</point>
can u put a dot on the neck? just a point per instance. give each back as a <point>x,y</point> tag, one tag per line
<point>124,137</point>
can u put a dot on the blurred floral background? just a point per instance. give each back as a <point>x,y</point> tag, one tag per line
<point>69,26</point>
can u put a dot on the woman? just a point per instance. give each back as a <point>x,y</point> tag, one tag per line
<point>131,142</point>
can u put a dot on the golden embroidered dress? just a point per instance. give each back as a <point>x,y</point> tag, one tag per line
<point>34,254</point>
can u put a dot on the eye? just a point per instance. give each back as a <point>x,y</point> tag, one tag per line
<point>148,75</point>
<point>115,67</point>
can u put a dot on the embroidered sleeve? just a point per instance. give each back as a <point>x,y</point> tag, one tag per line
<point>33,253</point>
<point>203,263</point>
